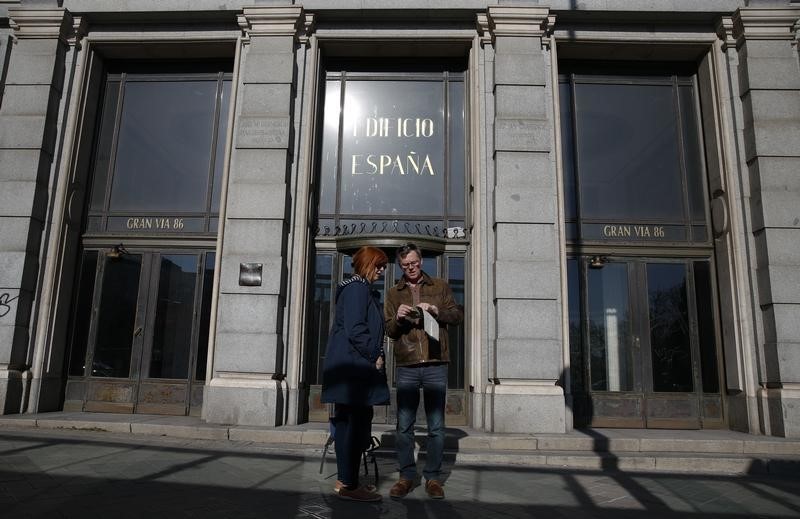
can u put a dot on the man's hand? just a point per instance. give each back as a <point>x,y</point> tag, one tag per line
<point>403,311</point>
<point>379,363</point>
<point>431,309</point>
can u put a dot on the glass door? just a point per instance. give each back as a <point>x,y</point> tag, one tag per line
<point>642,343</point>
<point>148,333</point>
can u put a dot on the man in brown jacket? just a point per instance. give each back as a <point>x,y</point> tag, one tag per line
<point>421,363</point>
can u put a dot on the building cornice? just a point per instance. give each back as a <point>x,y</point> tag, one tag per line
<point>273,21</point>
<point>518,21</point>
<point>764,24</point>
<point>41,23</point>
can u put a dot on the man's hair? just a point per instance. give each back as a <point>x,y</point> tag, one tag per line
<point>407,249</point>
<point>366,259</point>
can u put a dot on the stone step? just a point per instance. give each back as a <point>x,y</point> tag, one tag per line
<point>726,452</point>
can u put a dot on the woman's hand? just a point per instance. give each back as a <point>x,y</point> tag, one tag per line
<point>379,363</point>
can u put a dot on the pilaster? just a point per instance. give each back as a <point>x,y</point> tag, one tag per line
<point>769,86</point>
<point>248,373</point>
<point>28,133</point>
<point>528,359</point>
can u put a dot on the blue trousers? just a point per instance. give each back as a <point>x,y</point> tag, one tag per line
<point>351,435</point>
<point>433,381</point>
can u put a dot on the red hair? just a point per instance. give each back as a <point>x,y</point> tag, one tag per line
<point>367,259</point>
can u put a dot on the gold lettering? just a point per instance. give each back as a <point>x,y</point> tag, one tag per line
<point>371,162</point>
<point>372,127</point>
<point>397,165</point>
<point>427,128</point>
<point>386,160</point>
<point>427,164</point>
<point>356,159</point>
<point>414,163</point>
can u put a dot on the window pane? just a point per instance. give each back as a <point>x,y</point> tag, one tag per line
<point>705,326</point>
<point>457,164</point>
<point>83,313</point>
<point>669,327</point>
<point>117,316</point>
<point>320,316</point>
<point>693,154</point>
<point>611,366</point>
<point>393,144</point>
<point>104,140</point>
<point>172,335</point>
<point>455,378</point>
<point>205,318</point>
<point>219,157</point>
<point>575,330</point>
<point>628,158</point>
<point>164,150</point>
<point>329,157</point>
<point>568,150</point>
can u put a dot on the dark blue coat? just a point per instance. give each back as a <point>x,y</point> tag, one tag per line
<point>356,341</point>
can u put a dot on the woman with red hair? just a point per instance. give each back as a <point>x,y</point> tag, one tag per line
<point>353,376</point>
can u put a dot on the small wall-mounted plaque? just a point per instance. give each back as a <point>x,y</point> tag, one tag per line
<point>250,274</point>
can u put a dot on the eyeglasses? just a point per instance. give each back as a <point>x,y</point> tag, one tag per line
<point>380,267</point>
<point>409,265</point>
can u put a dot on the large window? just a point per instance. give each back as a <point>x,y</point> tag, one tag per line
<point>633,165</point>
<point>393,154</point>
<point>159,155</point>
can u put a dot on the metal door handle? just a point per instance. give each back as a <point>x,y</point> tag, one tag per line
<point>138,331</point>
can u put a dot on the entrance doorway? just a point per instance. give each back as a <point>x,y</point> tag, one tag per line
<point>642,309</point>
<point>139,329</point>
<point>148,332</point>
<point>391,169</point>
<point>642,340</point>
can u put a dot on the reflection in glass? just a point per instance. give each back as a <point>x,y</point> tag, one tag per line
<point>575,330</point>
<point>669,327</point>
<point>172,334</point>
<point>456,343</point>
<point>164,152</point>
<point>628,157</point>
<point>457,156</point>
<point>83,313</point>
<point>329,156</point>
<point>568,151</point>
<point>320,315</point>
<point>705,326</point>
<point>104,141</point>
<point>694,154</point>
<point>393,143</point>
<point>117,316</point>
<point>205,318</point>
<point>611,366</point>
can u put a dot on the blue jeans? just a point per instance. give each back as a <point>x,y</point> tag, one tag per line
<point>433,381</point>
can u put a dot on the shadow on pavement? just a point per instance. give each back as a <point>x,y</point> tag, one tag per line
<point>42,475</point>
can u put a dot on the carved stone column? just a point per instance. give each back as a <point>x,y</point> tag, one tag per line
<point>247,384</point>
<point>527,359</point>
<point>28,133</point>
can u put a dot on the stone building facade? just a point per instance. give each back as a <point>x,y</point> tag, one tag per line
<point>611,188</point>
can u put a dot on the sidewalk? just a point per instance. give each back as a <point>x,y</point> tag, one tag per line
<point>640,450</point>
<point>66,473</point>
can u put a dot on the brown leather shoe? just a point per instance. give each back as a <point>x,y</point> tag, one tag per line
<point>401,488</point>
<point>434,489</point>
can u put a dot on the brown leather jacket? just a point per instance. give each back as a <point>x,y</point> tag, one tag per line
<point>411,344</point>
